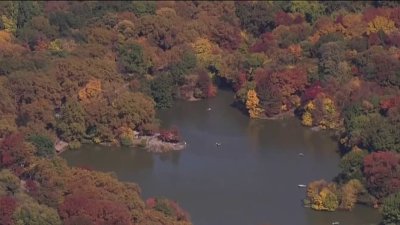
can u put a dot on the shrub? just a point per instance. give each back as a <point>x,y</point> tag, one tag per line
<point>74,144</point>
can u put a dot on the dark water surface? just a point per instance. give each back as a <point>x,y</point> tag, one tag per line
<point>250,180</point>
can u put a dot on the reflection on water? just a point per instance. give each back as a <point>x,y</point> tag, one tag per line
<point>253,131</point>
<point>251,179</point>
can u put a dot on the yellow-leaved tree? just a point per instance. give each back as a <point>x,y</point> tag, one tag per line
<point>253,104</point>
<point>203,49</point>
<point>10,25</point>
<point>306,118</point>
<point>330,119</point>
<point>381,23</point>
<point>350,192</point>
<point>55,46</point>
<point>322,195</point>
<point>329,199</point>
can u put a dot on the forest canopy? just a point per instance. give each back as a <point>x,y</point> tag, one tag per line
<point>93,71</point>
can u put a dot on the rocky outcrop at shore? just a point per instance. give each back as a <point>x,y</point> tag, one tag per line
<point>154,144</point>
<point>60,146</point>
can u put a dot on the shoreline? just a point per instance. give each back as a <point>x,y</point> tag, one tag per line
<point>280,116</point>
<point>150,143</point>
<point>153,144</point>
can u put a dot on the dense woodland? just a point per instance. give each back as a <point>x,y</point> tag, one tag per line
<point>96,72</point>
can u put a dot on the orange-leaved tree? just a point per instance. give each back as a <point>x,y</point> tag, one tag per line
<point>91,90</point>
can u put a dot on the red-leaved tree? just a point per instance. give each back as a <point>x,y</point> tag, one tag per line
<point>266,42</point>
<point>382,171</point>
<point>96,212</point>
<point>312,92</point>
<point>14,153</point>
<point>7,208</point>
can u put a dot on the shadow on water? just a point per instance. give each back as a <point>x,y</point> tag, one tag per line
<point>250,179</point>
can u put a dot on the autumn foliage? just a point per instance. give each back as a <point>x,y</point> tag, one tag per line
<point>97,212</point>
<point>91,90</point>
<point>95,72</point>
<point>15,153</point>
<point>7,208</point>
<point>171,135</point>
<point>327,196</point>
<point>322,195</point>
<point>382,172</point>
<point>252,104</point>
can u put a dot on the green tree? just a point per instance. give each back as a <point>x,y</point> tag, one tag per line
<point>141,8</point>
<point>182,68</point>
<point>27,10</point>
<point>162,30</point>
<point>64,21</point>
<point>256,17</point>
<point>333,6</point>
<point>44,146</point>
<point>31,213</point>
<point>71,125</point>
<point>351,165</point>
<point>9,13</point>
<point>134,109</point>
<point>370,130</point>
<point>161,90</point>
<point>330,55</point>
<point>9,183</point>
<point>311,9</point>
<point>391,210</point>
<point>38,27</point>
<point>132,59</point>
<point>382,134</point>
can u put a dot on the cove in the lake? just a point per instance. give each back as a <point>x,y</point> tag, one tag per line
<point>251,179</point>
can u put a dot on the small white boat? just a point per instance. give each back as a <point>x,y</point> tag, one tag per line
<point>301,154</point>
<point>209,109</point>
<point>335,223</point>
<point>217,144</point>
<point>301,185</point>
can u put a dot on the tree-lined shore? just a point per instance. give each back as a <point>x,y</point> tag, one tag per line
<point>96,72</point>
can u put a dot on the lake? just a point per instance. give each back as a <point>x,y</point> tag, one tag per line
<point>251,179</point>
